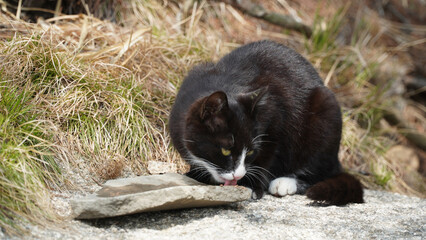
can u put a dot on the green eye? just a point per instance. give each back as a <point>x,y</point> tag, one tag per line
<point>250,152</point>
<point>226,152</point>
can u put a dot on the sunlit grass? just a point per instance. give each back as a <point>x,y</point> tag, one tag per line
<point>26,157</point>
<point>75,102</point>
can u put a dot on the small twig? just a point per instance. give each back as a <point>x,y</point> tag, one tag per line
<point>3,6</point>
<point>259,11</point>
<point>3,3</point>
<point>86,7</point>
<point>18,12</point>
<point>58,8</point>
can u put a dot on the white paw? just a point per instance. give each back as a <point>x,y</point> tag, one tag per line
<point>283,186</point>
<point>254,196</point>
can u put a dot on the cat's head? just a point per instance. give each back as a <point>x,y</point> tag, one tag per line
<point>222,134</point>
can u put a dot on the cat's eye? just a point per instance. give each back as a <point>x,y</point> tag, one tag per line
<point>226,152</point>
<point>249,153</point>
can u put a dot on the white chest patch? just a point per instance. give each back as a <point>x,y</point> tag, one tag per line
<point>283,186</point>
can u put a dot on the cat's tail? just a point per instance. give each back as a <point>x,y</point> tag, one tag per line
<point>338,190</point>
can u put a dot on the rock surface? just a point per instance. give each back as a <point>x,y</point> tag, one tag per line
<point>383,216</point>
<point>153,193</point>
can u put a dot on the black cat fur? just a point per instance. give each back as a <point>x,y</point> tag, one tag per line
<point>263,97</point>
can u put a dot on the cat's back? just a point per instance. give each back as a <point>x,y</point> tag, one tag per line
<point>246,63</point>
<point>237,71</point>
<point>256,53</point>
<point>268,57</point>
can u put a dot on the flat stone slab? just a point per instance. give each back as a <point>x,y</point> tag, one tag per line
<point>153,193</point>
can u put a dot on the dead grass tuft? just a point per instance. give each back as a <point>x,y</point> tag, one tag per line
<point>108,167</point>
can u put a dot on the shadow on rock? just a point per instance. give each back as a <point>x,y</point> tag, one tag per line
<point>161,220</point>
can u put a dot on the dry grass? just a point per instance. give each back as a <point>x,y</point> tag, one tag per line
<point>98,93</point>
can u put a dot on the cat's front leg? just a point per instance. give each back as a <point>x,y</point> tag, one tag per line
<point>257,193</point>
<point>287,186</point>
<point>283,186</point>
<point>258,189</point>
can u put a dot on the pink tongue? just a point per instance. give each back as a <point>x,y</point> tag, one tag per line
<point>230,182</point>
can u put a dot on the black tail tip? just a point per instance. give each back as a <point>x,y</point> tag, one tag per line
<point>339,190</point>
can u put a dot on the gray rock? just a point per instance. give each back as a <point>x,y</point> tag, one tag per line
<point>384,215</point>
<point>153,193</point>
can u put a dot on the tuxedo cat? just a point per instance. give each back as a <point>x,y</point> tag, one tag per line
<point>262,118</point>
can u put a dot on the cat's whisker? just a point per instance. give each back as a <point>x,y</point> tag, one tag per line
<point>258,136</point>
<point>201,162</point>
<point>213,165</point>
<point>258,171</point>
<point>261,177</point>
<point>248,175</point>
<point>201,172</point>
<point>198,169</point>
<point>259,174</point>
<point>258,168</point>
<point>256,177</point>
<point>208,163</point>
<point>257,141</point>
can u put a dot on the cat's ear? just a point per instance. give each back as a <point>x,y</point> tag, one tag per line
<point>213,104</point>
<point>252,99</point>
